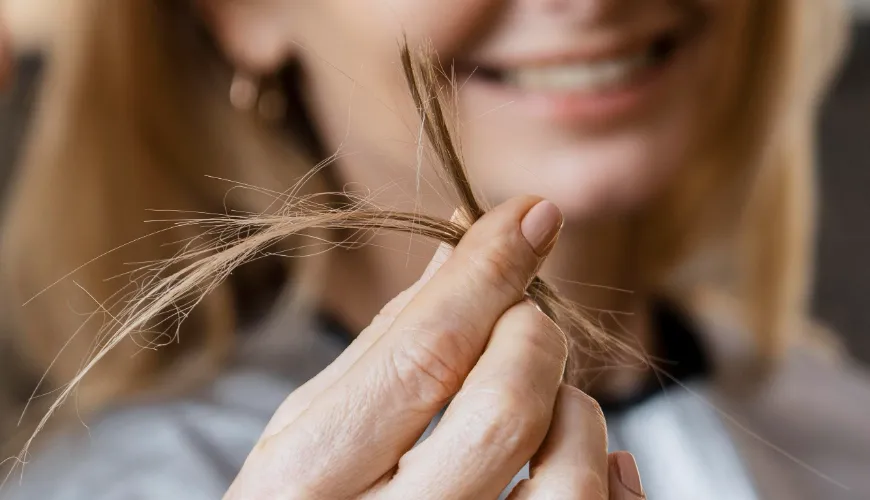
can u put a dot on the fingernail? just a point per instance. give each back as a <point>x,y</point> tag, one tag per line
<point>629,477</point>
<point>541,226</point>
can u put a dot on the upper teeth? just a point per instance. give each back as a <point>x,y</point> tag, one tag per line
<point>578,76</point>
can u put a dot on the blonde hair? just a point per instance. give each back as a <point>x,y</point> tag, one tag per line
<point>134,115</point>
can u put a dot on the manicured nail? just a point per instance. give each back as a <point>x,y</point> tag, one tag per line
<point>541,226</point>
<point>629,477</point>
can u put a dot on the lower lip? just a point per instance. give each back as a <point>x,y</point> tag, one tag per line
<point>580,107</point>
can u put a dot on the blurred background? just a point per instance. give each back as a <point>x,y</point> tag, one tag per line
<point>842,285</point>
<point>843,275</point>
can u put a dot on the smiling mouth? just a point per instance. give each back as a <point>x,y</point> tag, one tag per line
<point>579,76</point>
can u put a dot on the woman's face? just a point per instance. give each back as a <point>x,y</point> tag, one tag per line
<point>593,104</point>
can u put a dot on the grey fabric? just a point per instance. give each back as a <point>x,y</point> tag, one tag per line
<point>804,435</point>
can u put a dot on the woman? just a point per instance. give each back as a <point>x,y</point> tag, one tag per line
<point>674,137</point>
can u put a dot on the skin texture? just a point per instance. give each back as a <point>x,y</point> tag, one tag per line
<point>462,334</point>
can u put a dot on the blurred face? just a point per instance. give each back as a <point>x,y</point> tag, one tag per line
<point>594,104</point>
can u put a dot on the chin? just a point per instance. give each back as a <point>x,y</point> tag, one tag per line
<point>599,198</point>
<point>587,188</point>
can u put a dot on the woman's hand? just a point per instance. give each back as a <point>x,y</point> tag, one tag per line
<point>464,334</point>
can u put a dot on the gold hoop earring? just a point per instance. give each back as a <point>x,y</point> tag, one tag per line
<point>249,93</point>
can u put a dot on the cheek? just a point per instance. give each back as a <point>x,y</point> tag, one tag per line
<point>353,79</point>
<point>447,23</point>
<point>585,176</point>
<point>378,25</point>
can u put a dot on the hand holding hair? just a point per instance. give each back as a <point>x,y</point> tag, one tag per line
<point>479,330</point>
<point>467,334</point>
<point>472,331</point>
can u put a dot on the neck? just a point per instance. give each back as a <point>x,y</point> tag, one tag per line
<point>593,265</point>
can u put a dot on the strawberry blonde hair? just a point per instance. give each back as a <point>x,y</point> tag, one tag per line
<point>134,115</point>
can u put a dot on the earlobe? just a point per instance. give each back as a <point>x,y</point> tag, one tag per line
<point>251,34</point>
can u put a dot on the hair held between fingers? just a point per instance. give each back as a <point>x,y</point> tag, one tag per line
<point>181,283</point>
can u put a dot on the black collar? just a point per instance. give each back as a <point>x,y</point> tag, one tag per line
<point>678,355</point>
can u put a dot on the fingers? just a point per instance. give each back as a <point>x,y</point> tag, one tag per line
<point>437,339</point>
<point>253,483</point>
<point>298,402</point>
<point>499,417</point>
<point>572,463</point>
<point>379,408</point>
<point>624,477</point>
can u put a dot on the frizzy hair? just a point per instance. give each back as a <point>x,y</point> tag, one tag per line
<point>90,173</point>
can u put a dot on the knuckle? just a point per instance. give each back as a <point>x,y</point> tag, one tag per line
<point>499,269</point>
<point>583,404</point>
<point>539,330</point>
<point>392,308</point>
<point>589,485</point>
<point>581,400</point>
<point>381,320</point>
<point>427,366</point>
<point>509,421</point>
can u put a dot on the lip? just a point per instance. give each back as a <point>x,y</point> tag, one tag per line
<point>589,53</point>
<point>594,47</point>
<point>583,108</point>
<point>586,107</point>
